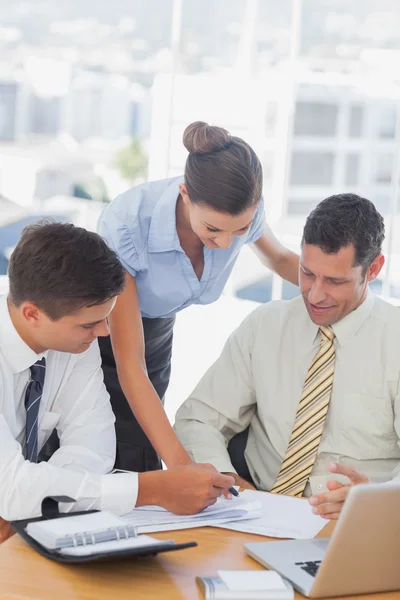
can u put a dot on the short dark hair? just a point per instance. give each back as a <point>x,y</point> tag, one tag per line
<point>222,171</point>
<point>343,220</point>
<point>62,268</point>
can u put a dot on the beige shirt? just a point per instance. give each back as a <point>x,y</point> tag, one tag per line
<point>258,381</point>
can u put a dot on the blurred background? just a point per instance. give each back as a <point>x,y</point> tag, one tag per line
<point>95,95</point>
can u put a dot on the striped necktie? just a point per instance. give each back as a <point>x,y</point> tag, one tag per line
<point>33,395</point>
<point>310,420</point>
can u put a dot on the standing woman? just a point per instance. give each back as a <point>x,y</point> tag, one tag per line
<point>178,240</point>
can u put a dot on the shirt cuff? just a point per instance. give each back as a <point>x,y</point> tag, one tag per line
<point>221,463</point>
<point>119,492</point>
<point>317,483</point>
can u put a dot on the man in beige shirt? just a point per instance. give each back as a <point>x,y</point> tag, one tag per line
<point>316,380</point>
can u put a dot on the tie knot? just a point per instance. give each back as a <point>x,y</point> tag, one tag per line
<point>38,370</point>
<point>327,333</point>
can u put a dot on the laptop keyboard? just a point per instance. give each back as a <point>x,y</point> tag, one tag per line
<point>311,567</point>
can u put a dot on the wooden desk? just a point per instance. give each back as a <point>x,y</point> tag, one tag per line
<point>24,574</point>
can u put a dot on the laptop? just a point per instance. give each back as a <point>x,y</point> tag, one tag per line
<point>361,557</point>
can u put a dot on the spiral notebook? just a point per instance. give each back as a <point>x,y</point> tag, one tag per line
<point>88,536</point>
<point>82,535</point>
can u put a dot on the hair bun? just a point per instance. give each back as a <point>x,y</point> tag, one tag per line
<point>199,138</point>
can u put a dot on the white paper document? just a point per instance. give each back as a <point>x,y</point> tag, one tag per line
<point>282,517</point>
<point>149,519</point>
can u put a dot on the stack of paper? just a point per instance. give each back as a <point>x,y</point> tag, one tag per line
<point>246,585</point>
<point>267,514</point>
<point>282,517</point>
<point>149,519</point>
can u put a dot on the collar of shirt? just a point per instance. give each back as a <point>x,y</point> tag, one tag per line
<point>344,329</point>
<point>347,328</point>
<point>18,355</point>
<point>163,236</point>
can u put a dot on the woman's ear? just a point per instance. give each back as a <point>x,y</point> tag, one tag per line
<point>184,193</point>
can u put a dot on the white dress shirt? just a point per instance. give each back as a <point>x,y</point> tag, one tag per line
<point>76,403</point>
<point>258,381</point>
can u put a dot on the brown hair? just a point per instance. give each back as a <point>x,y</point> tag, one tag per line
<point>62,268</point>
<point>344,220</point>
<point>221,170</point>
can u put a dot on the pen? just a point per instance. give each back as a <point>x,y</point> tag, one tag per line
<point>233,491</point>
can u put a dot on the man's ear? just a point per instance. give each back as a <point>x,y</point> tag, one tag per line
<point>375,268</point>
<point>31,313</point>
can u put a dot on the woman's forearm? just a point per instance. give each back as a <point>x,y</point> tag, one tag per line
<point>129,351</point>
<point>287,266</point>
<point>277,258</point>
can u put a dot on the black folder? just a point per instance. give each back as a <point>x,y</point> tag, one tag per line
<point>50,510</point>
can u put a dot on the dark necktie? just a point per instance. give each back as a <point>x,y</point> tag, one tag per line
<point>33,396</point>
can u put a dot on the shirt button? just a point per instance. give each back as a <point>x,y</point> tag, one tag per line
<point>319,487</point>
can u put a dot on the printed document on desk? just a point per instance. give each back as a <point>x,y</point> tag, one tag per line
<point>282,517</point>
<point>150,519</point>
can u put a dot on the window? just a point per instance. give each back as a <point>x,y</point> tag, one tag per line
<point>268,167</point>
<point>382,204</point>
<point>383,169</point>
<point>387,122</point>
<point>45,115</point>
<point>8,97</point>
<point>94,74</point>
<point>311,168</point>
<point>352,169</point>
<point>356,119</point>
<point>301,207</point>
<point>315,119</point>
<point>270,119</point>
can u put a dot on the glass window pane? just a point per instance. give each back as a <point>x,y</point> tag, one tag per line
<point>268,167</point>
<point>271,115</point>
<point>315,118</point>
<point>383,168</point>
<point>382,203</point>
<point>301,207</point>
<point>387,122</point>
<point>8,98</point>
<point>356,119</point>
<point>352,169</point>
<point>312,168</point>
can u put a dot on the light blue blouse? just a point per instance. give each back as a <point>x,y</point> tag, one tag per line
<point>139,225</point>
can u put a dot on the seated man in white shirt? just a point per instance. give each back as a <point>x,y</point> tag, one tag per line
<point>64,282</point>
<point>316,380</point>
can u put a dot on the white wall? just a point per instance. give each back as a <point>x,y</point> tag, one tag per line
<point>3,284</point>
<point>200,334</point>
